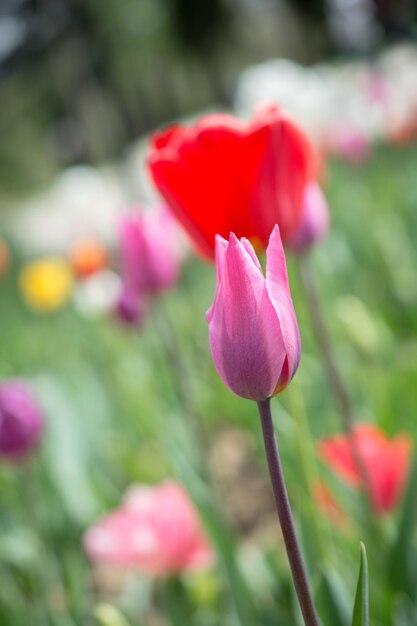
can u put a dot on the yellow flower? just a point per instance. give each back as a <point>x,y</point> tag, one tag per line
<point>46,284</point>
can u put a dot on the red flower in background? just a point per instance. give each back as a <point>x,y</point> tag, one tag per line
<point>386,462</point>
<point>223,175</point>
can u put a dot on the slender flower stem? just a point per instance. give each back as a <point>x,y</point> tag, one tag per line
<point>285,517</point>
<point>180,379</point>
<point>334,376</point>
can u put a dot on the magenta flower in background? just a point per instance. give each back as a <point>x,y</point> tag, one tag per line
<point>131,308</point>
<point>157,531</point>
<point>253,332</point>
<point>149,258</point>
<point>314,222</point>
<point>21,421</point>
<point>150,261</point>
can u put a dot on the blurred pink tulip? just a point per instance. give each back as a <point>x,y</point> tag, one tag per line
<point>21,421</point>
<point>314,220</point>
<point>254,337</point>
<point>156,530</point>
<point>386,462</point>
<point>150,261</point>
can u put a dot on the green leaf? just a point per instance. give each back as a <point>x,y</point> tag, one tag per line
<point>403,559</point>
<point>404,613</point>
<point>332,603</point>
<point>361,607</point>
<point>108,615</point>
<point>66,450</point>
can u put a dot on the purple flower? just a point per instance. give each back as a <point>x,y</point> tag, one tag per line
<point>130,308</point>
<point>21,421</point>
<point>254,337</point>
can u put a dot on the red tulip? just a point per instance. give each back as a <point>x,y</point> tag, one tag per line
<point>223,175</point>
<point>386,463</point>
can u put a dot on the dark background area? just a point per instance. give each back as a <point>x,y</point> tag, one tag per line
<point>79,79</point>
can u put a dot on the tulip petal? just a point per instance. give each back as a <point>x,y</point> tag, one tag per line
<point>386,463</point>
<point>249,249</point>
<point>221,246</point>
<point>279,293</point>
<point>393,468</point>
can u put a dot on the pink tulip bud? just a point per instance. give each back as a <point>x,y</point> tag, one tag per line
<point>254,337</point>
<point>149,259</point>
<point>314,222</point>
<point>21,421</point>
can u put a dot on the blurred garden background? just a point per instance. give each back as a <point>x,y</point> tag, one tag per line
<point>130,401</point>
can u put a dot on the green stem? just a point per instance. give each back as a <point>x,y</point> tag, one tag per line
<point>180,377</point>
<point>307,460</point>
<point>336,382</point>
<point>283,507</point>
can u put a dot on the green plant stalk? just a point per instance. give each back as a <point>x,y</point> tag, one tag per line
<point>283,507</point>
<point>307,460</point>
<point>334,376</point>
<point>178,370</point>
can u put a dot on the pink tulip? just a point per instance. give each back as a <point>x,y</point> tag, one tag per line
<point>149,259</point>
<point>156,530</point>
<point>21,420</point>
<point>314,222</point>
<point>254,337</point>
<point>386,463</point>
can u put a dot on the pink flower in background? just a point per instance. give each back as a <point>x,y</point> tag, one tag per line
<point>350,143</point>
<point>157,530</point>
<point>314,222</point>
<point>254,337</point>
<point>21,421</point>
<point>386,462</point>
<point>150,260</point>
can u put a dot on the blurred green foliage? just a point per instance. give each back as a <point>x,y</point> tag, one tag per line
<point>115,417</point>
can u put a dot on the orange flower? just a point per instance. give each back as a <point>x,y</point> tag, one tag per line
<point>88,257</point>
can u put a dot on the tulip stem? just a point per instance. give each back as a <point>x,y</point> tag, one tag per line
<point>285,516</point>
<point>180,378</point>
<point>334,377</point>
